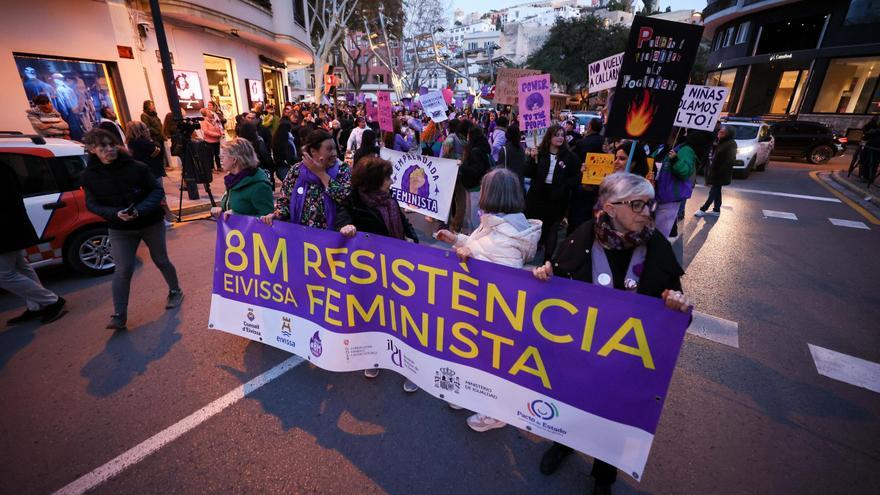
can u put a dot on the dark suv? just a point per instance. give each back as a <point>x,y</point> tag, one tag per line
<point>801,139</point>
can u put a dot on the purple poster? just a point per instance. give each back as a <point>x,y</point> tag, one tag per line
<point>580,364</point>
<point>534,102</point>
<point>470,100</point>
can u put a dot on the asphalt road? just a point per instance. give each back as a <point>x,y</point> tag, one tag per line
<point>757,418</point>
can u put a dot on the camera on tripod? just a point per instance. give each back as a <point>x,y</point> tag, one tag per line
<point>188,125</point>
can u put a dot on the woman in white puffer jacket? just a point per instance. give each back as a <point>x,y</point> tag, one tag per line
<point>505,236</point>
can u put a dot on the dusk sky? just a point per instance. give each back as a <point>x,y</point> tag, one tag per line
<point>485,5</point>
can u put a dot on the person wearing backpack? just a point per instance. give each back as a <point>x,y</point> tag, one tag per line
<point>475,163</point>
<point>555,171</point>
<point>674,184</point>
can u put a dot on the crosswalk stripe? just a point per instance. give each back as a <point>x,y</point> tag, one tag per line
<point>715,329</point>
<point>779,214</point>
<point>849,223</point>
<point>846,368</point>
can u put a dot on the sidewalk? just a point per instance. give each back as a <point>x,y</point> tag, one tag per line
<point>853,184</point>
<point>203,204</point>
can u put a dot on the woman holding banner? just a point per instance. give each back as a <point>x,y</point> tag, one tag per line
<point>505,236</point>
<point>554,171</point>
<point>622,250</point>
<point>373,210</point>
<point>314,188</point>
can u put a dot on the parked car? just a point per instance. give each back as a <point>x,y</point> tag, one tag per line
<point>754,144</point>
<point>49,172</point>
<point>801,139</point>
<point>581,119</point>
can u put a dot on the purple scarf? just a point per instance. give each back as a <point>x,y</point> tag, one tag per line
<point>305,181</point>
<point>610,238</point>
<point>388,209</point>
<point>231,180</point>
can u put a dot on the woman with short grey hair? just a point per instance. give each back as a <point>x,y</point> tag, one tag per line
<point>622,250</point>
<point>504,236</point>
<point>248,190</point>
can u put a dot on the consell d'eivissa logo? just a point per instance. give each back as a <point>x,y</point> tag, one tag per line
<point>538,414</point>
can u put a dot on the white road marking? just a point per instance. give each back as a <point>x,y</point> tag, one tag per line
<point>845,368</point>
<point>779,214</point>
<point>715,329</point>
<point>826,199</point>
<point>849,223</point>
<point>168,435</point>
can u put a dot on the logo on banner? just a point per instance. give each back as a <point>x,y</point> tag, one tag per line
<point>250,315</point>
<point>396,354</point>
<point>315,345</point>
<point>445,380</point>
<point>539,414</point>
<point>250,327</point>
<point>543,410</point>
<point>415,182</point>
<point>286,332</point>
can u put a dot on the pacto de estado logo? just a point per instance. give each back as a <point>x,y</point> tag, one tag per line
<point>543,410</point>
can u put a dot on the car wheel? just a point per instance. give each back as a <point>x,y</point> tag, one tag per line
<point>762,167</point>
<point>88,252</point>
<point>820,154</point>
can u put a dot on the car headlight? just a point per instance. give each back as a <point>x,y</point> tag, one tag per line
<point>745,150</point>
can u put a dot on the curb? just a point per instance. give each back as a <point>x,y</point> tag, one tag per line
<point>863,194</point>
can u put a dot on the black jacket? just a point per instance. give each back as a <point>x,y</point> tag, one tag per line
<point>512,157</point>
<point>116,186</point>
<point>18,232</point>
<point>369,220</point>
<point>474,166</point>
<point>588,144</point>
<point>721,169</point>
<point>661,270</point>
<point>146,151</point>
<point>549,201</point>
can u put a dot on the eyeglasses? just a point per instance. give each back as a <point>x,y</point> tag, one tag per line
<point>638,205</point>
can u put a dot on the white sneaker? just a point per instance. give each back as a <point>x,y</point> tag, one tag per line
<point>481,423</point>
<point>371,372</point>
<point>700,213</point>
<point>453,406</point>
<point>168,224</point>
<point>410,387</point>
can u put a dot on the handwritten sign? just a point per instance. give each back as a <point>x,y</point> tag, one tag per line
<point>700,107</point>
<point>603,73</point>
<point>434,105</point>
<point>598,166</point>
<point>534,102</point>
<point>386,119</point>
<point>506,89</point>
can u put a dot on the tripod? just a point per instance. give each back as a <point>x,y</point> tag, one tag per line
<point>192,164</point>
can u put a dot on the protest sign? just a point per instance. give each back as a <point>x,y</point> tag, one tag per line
<point>434,105</point>
<point>349,98</point>
<point>506,89</point>
<point>470,100</point>
<point>459,103</point>
<point>656,66</point>
<point>600,165</point>
<point>386,118</point>
<point>577,363</point>
<point>534,102</point>
<point>603,73</point>
<point>371,110</point>
<point>422,183</point>
<point>700,107</point>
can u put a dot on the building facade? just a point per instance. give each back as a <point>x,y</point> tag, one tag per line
<point>810,59</point>
<point>89,54</point>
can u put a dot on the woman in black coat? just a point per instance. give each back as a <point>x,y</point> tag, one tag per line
<point>512,156</point>
<point>720,172</point>
<point>555,172</point>
<point>284,148</point>
<point>608,251</point>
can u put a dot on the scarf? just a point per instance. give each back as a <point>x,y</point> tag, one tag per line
<point>388,210</point>
<point>231,180</point>
<point>303,186</point>
<point>610,238</point>
<point>607,237</point>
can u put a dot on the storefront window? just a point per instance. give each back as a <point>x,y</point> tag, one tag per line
<point>850,86</point>
<point>272,83</point>
<point>788,92</point>
<point>221,88</point>
<point>791,35</point>
<point>722,78</point>
<point>78,88</point>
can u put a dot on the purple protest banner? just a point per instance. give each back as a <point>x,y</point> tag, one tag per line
<point>534,102</point>
<point>577,363</point>
<point>408,104</point>
<point>470,100</point>
<point>349,98</point>
<point>385,114</point>
<point>458,103</point>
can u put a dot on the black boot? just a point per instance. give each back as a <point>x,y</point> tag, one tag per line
<point>553,458</point>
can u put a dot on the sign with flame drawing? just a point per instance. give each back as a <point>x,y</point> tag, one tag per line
<point>656,67</point>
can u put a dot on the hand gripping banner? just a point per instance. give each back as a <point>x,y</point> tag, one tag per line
<point>583,365</point>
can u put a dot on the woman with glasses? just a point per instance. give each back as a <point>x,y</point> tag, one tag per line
<point>621,250</point>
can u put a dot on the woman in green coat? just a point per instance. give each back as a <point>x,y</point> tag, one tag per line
<point>247,187</point>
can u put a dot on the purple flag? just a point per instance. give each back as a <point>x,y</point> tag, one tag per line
<point>458,102</point>
<point>423,90</point>
<point>470,100</point>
